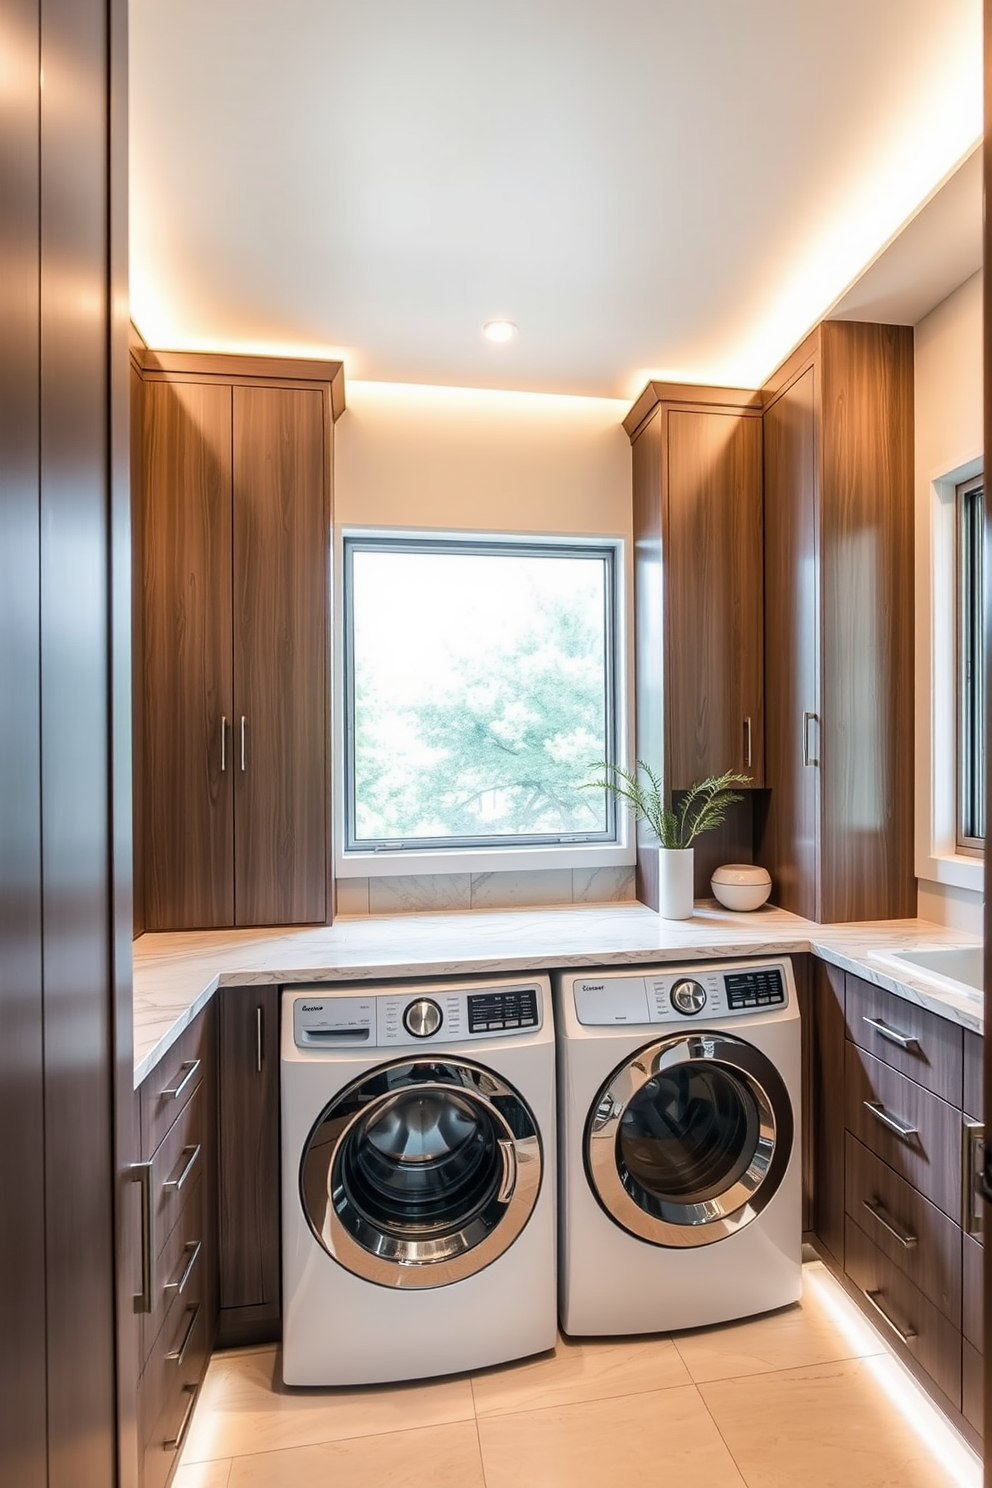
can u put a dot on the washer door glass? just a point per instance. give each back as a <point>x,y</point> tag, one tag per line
<point>689,1139</point>
<point>421,1174</point>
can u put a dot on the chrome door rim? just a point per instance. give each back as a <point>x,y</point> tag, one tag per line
<point>715,1218</point>
<point>430,1261</point>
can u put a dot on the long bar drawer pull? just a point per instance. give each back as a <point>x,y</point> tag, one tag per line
<point>188,1166</point>
<point>192,1250</point>
<point>904,1040</point>
<point>173,1092</point>
<point>142,1173</point>
<point>906,1240</point>
<point>972,1166</point>
<point>905,1335</point>
<point>901,1128</point>
<point>177,1355</point>
<point>174,1444</point>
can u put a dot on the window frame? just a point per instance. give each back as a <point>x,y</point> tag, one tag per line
<point>365,857</point>
<point>969,580</point>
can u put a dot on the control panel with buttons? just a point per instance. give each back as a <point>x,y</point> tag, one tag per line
<point>421,1014</point>
<point>696,993</point>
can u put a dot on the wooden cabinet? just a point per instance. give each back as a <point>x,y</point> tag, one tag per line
<point>838,561</point>
<point>179,1307</point>
<point>235,530</point>
<point>249,1197</point>
<point>698,590</point>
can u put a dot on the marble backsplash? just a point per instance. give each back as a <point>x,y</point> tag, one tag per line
<point>445,892</point>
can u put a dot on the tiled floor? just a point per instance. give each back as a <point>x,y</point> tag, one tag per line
<point>807,1397</point>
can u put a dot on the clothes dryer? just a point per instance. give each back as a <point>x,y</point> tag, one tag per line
<point>418,1192</point>
<point>679,1115</point>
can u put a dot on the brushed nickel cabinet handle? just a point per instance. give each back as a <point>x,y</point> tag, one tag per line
<point>747,743</point>
<point>223,743</point>
<point>177,1355</point>
<point>905,1335</point>
<point>904,1040</point>
<point>508,1182</point>
<point>807,757</point>
<point>173,1092</point>
<point>142,1173</point>
<point>972,1169</point>
<point>901,1128</point>
<point>877,1212</point>
<point>192,1154</point>
<point>175,1443</point>
<point>244,746</point>
<point>259,1038</point>
<point>178,1285</point>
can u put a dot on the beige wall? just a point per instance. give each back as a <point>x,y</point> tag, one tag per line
<point>948,449</point>
<point>469,460</point>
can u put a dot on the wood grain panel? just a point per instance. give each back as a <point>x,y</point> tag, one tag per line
<point>972,1387</point>
<point>973,1298</point>
<point>137,513</point>
<point>936,1343</point>
<point>713,596</point>
<point>248,1165</point>
<point>192,1057</point>
<point>828,1107</point>
<point>649,631</point>
<point>189,812</point>
<point>878,1201</point>
<point>802,970</point>
<point>973,1103</point>
<point>281,533</point>
<point>788,845</point>
<point>866,576</point>
<point>930,1156</point>
<point>934,1060</point>
<point>22,1180</point>
<point>730,399</point>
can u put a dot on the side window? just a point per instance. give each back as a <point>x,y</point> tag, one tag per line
<point>970,666</point>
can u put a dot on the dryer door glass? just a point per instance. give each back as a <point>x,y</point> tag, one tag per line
<point>421,1174</point>
<point>689,1139</point>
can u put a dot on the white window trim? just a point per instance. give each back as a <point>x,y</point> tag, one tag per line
<point>385,864</point>
<point>937,857</point>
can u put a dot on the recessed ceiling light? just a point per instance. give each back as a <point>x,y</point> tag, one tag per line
<point>499,330</point>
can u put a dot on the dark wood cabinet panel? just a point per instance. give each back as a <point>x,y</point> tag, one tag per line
<point>973,1387</point>
<point>281,528</point>
<point>187,787</point>
<point>248,1170</point>
<point>828,1107</point>
<point>973,1299</point>
<point>928,1155</point>
<point>973,1102</point>
<point>912,1040</point>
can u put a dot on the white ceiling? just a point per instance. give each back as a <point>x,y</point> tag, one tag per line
<point>649,187</point>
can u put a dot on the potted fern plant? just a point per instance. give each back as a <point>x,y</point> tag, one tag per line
<point>703,806</point>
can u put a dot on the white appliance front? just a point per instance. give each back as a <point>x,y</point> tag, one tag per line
<point>418,1192</point>
<point>680,1196</point>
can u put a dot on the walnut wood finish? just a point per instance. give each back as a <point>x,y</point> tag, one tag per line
<point>729,399</point>
<point>828,1107</point>
<point>136,428</point>
<point>648,628</point>
<point>292,370</point>
<point>973,1389</point>
<point>159,1108</point>
<point>281,555</point>
<point>973,1300</point>
<point>189,801</point>
<point>790,830</point>
<point>713,596</point>
<point>167,1387</point>
<point>973,1104</point>
<point>936,1346</point>
<point>933,1260</point>
<point>802,970</point>
<point>934,1061</point>
<point>931,1158</point>
<point>248,1167</point>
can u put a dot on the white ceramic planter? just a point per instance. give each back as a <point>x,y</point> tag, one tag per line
<point>675,883</point>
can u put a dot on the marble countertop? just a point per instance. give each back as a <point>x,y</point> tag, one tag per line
<point>176,974</point>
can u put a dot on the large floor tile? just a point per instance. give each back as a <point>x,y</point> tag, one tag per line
<point>662,1436</point>
<point>807,1333</point>
<point>828,1426</point>
<point>203,1475</point>
<point>591,1370</point>
<point>437,1457</point>
<point>244,1407</point>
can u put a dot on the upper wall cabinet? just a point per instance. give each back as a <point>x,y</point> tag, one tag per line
<point>234,527</point>
<point>838,478</point>
<point>697,581</point>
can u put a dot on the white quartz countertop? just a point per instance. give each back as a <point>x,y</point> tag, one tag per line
<point>176,974</point>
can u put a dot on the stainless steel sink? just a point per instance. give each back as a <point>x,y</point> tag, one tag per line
<point>957,968</point>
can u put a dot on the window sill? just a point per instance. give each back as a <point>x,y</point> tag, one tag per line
<point>482,860</point>
<point>958,870</point>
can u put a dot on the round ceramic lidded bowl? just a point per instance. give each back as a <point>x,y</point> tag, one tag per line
<point>741,885</point>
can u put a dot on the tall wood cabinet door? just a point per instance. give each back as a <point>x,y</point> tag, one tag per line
<point>790,838</point>
<point>188,768</point>
<point>713,575</point>
<point>281,541</point>
<point>248,1164</point>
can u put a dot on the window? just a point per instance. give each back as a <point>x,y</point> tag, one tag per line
<point>971,665</point>
<point>480,680</point>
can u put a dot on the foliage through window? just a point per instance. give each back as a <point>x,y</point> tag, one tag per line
<point>479,690</point>
<point>971,665</point>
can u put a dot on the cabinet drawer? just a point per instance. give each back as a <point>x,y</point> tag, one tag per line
<point>903,1312</point>
<point>973,1292</point>
<point>972,1386</point>
<point>180,1269</point>
<point>168,1392</point>
<point>176,1167</point>
<point>912,1040</point>
<point>170,1086</point>
<point>974,1104</point>
<point>910,1231</point>
<point>926,1148</point>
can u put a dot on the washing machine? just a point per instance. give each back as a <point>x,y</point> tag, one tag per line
<point>418,1178</point>
<point>680,1198</point>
